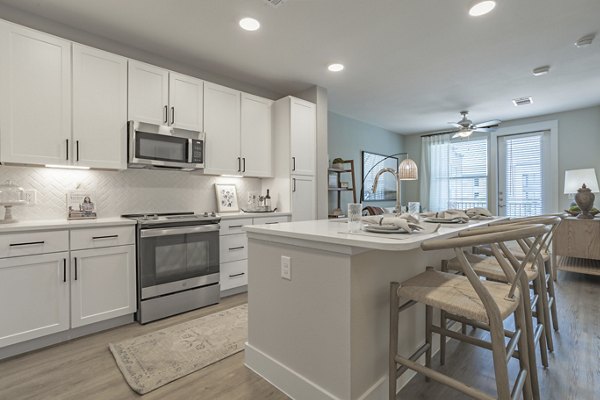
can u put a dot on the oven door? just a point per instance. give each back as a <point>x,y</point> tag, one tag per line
<point>178,258</point>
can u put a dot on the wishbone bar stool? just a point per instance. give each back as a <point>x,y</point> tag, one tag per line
<point>485,303</point>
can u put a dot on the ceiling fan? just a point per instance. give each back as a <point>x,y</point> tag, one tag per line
<point>465,127</point>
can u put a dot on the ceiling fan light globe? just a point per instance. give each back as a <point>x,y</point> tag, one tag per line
<point>481,7</point>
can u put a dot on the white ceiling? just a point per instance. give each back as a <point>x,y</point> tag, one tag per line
<point>411,65</point>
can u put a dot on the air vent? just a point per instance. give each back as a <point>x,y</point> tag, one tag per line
<point>522,101</point>
<point>275,3</point>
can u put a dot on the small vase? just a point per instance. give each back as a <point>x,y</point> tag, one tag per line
<point>585,200</point>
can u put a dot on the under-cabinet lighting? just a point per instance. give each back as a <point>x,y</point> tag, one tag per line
<point>66,166</point>
<point>232,176</point>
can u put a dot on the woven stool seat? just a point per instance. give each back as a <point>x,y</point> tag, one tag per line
<point>453,293</point>
<point>516,251</point>
<point>488,267</point>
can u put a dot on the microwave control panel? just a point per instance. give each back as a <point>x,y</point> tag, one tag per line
<point>197,151</point>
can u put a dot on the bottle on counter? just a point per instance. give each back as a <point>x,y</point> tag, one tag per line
<point>268,201</point>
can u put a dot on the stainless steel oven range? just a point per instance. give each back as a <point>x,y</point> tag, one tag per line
<point>177,263</point>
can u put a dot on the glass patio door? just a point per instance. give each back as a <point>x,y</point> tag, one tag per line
<point>523,174</point>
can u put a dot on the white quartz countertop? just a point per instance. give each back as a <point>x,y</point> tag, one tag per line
<point>243,214</point>
<point>35,225</point>
<point>336,233</point>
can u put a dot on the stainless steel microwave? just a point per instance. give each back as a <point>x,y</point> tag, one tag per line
<point>153,146</point>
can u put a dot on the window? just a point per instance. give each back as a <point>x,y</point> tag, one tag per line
<point>386,188</point>
<point>456,172</point>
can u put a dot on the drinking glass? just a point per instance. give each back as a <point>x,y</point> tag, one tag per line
<point>354,215</point>
<point>413,207</point>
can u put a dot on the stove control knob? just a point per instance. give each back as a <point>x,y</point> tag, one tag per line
<point>213,214</point>
<point>206,214</point>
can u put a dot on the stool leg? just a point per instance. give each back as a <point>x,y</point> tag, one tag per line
<point>443,322</point>
<point>393,345</point>
<point>499,357</point>
<point>541,319</point>
<point>523,354</point>
<point>530,334</point>
<point>428,336</point>
<point>552,294</point>
<point>545,308</point>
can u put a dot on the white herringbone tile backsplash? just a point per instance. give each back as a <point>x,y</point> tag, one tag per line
<point>120,192</point>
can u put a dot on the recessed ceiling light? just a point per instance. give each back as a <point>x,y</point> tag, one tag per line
<point>539,71</point>
<point>335,67</point>
<point>249,24</point>
<point>586,40</point>
<point>481,7</point>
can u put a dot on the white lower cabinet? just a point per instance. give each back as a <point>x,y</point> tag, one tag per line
<point>34,297</point>
<point>233,243</point>
<point>102,284</point>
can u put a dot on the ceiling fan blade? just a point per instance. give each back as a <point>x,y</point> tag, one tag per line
<point>456,135</point>
<point>494,122</point>
<point>444,132</point>
<point>456,124</point>
<point>485,130</point>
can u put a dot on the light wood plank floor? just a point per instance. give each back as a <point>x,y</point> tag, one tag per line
<point>85,369</point>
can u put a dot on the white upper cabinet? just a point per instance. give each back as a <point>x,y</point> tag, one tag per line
<point>148,99</point>
<point>256,136</point>
<point>222,127</point>
<point>99,108</point>
<point>186,96</point>
<point>35,96</point>
<point>303,136</point>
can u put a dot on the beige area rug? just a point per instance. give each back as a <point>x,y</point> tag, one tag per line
<point>155,359</point>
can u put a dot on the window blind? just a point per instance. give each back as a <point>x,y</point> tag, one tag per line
<point>467,174</point>
<point>524,175</point>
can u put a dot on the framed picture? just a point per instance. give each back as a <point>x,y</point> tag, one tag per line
<point>227,200</point>
<point>386,187</point>
<point>80,205</point>
<point>333,180</point>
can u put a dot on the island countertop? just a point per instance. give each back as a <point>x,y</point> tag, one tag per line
<point>334,232</point>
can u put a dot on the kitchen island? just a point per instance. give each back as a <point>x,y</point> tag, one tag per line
<point>323,333</point>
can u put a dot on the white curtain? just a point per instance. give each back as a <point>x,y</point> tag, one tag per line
<point>434,177</point>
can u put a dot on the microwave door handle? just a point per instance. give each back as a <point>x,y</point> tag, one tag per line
<point>190,150</point>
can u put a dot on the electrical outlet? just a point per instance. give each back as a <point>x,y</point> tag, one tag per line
<point>31,197</point>
<point>286,268</point>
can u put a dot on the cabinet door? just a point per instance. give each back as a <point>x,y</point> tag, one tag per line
<point>185,101</point>
<point>35,96</point>
<point>102,284</point>
<point>303,198</point>
<point>148,96</point>
<point>256,136</point>
<point>303,119</point>
<point>222,127</point>
<point>34,297</point>
<point>99,108</point>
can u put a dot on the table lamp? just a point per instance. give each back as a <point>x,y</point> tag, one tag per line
<point>584,183</point>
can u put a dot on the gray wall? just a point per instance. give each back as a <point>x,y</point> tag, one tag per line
<point>578,145</point>
<point>348,138</point>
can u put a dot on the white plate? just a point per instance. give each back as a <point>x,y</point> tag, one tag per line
<point>383,230</point>
<point>444,221</point>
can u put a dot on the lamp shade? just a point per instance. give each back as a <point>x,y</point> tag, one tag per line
<point>575,178</point>
<point>408,171</point>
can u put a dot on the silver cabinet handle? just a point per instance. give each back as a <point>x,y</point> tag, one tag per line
<point>244,160</point>
<point>239,164</point>
<point>75,260</point>
<point>237,248</point>
<point>293,184</point>
<point>64,270</point>
<point>166,114</point>
<point>271,223</point>
<point>234,275</point>
<point>293,163</point>
<point>26,243</point>
<point>77,150</point>
<point>235,226</point>
<point>105,237</point>
<point>172,115</point>
<point>67,149</point>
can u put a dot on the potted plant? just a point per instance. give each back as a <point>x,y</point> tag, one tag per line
<point>338,163</point>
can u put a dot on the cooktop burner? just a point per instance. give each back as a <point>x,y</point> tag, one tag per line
<point>153,218</point>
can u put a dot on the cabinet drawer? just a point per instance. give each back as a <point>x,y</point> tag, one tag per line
<point>270,220</point>
<point>234,274</point>
<point>30,243</point>
<point>233,247</point>
<point>102,237</point>
<point>233,226</point>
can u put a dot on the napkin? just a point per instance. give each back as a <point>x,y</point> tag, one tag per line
<point>451,215</point>
<point>479,213</point>
<point>393,222</point>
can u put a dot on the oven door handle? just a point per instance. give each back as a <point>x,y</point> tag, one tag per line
<point>144,233</point>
